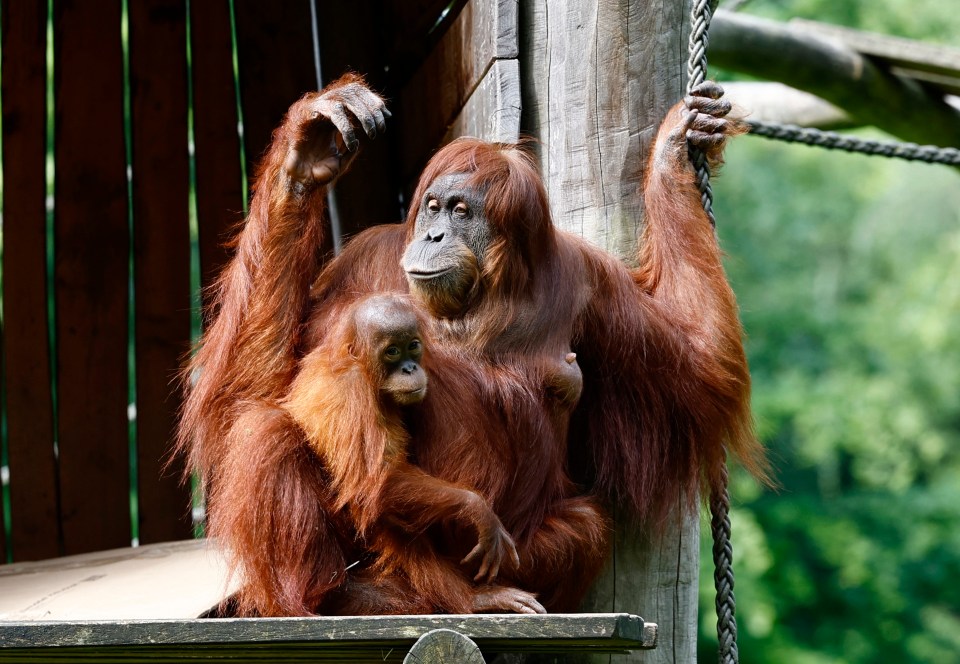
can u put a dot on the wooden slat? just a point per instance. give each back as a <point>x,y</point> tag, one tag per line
<point>91,276</point>
<point>33,472</point>
<point>482,33</point>
<point>493,110</point>
<point>369,194</point>
<point>275,52</point>
<point>276,67</point>
<point>219,185</point>
<point>381,638</point>
<point>158,86</point>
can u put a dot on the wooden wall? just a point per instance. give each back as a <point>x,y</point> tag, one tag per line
<point>99,177</point>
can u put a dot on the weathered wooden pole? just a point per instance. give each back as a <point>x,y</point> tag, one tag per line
<point>597,76</point>
<point>591,81</point>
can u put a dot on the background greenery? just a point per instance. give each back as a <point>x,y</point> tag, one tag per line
<point>847,269</point>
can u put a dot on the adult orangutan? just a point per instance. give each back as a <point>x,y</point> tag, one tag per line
<point>664,380</point>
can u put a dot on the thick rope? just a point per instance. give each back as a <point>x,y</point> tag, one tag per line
<point>696,74</point>
<point>931,154</point>
<point>723,572</point>
<point>701,14</point>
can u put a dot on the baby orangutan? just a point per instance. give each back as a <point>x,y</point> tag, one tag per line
<point>349,399</point>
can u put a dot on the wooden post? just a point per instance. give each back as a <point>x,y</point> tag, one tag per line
<point>440,646</point>
<point>597,76</point>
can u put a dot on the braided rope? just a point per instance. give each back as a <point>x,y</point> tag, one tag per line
<point>726,604</point>
<point>930,154</point>
<point>700,16</point>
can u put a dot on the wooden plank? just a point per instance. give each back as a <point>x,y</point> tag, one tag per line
<point>29,403</point>
<point>493,110</point>
<point>171,580</point>
<point>219,181</point>
<point>275,52</point>
<point>482,33</point>
<point>379,638</point>
<point>597,79</point>
<point>91,276</point>
<point>161,245</point>
<point>276,67</point>
<point>370,193</point>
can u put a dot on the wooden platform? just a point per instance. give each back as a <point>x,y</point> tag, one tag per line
<point>137,604</point>
<point>171,580</point>
<point>353,639</point>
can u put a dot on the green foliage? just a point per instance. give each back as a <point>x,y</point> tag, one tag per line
<point>847,269</point>
<point>929,20</point>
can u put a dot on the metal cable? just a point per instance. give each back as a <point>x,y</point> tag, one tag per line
<point>930,154</point>
<point>727,653</point>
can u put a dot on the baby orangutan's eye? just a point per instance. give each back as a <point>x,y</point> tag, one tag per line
<point>392,354</point>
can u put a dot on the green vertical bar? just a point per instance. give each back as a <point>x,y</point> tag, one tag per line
<point>131,310</point>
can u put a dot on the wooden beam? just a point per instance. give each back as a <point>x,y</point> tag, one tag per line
<point>906,53</point>
<point>493,110</point>
<point>161,246</point>
<point>835,72</point>
<point>598,76</point>
<point>443,646</point>
<point>776,102</point>
<point>91,276</point>
<point>949,85</point>
<point>935,65</point>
